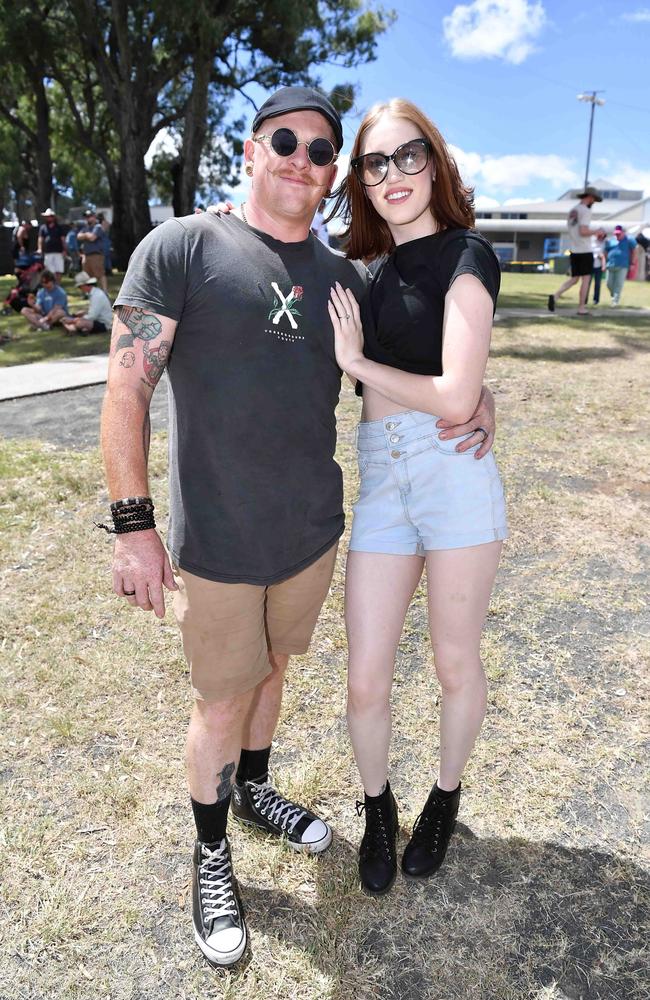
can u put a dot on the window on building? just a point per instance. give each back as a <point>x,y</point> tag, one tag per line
<point>484,215</point>
<point>524,244</point>
<point>514,215</point>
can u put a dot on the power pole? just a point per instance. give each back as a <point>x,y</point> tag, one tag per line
<point>590,98</point>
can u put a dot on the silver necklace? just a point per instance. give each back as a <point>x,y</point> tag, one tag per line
<point>243,214</point>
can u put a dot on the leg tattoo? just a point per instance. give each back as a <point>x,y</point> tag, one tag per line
<point>225,784</point>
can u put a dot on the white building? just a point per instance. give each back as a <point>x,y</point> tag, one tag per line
<point>537,230</point>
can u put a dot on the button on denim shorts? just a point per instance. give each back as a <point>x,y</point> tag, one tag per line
<point>418,493</point>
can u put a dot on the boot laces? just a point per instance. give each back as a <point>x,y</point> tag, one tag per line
<point>428,825</point>
<point>280,811</point>
<point>376,839</point>
<point>215,881</point>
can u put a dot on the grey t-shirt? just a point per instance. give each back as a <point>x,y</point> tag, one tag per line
<point>255,493</point>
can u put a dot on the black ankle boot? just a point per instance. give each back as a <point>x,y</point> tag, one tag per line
<point>433,828</point>
<point>378,850</point>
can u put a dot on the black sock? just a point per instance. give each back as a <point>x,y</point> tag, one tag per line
<point>443,794</point>
<point>380,799</point>
<point>253,765</point>
<point>211,819</point>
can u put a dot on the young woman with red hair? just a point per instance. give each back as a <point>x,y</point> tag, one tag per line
<point>417,347</point>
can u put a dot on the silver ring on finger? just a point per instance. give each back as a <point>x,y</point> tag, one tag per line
<point>129,593</point>
<point>483,432</point>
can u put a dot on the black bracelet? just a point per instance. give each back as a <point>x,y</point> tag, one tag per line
<point>142,525</point>
<point>130,514</point>
<point>131,502</point>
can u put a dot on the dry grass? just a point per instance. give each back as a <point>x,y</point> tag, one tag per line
<point>543,893</point>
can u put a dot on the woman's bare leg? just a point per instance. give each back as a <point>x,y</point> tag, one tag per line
<point>459,583</point>
<point>378,590</point>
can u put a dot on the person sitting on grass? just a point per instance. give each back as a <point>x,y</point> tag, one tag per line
<point>98,318</point>
<point>49,306</point>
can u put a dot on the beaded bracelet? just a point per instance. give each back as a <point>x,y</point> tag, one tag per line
<point>130,514</point>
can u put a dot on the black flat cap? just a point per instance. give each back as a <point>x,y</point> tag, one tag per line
<point>288,99</point>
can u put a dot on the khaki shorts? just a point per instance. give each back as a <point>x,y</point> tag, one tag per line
<point>94,265</point>
<point>229,629</point>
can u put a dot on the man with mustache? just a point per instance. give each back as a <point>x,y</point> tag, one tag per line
<point>236,304</point>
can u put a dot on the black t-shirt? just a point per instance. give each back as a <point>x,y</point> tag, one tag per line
<point>403,311</point>
<point>52,237</point>
<point>255,492</point>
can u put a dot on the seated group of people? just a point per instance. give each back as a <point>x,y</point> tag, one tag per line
<point>48,306</point>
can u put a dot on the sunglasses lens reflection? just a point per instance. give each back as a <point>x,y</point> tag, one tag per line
<point>410,158</point>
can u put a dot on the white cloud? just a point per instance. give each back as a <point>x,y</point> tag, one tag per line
<point>515,170</point>
<point>631,177</point>
<point>637,16</point>
<point>482,202</point>
<point>488,29</point>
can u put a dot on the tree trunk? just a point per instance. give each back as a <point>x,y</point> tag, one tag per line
<point>130,198</point>
<point>186,170</point>
<point>42,153</point>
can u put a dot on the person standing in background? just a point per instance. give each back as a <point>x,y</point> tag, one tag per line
<point>598,250</point>
<point>620,252</point>
<point>582,258</point>
<point>107,247</point>
<point>72,246</point>
<point>51,244</point>
<point>91,239</point>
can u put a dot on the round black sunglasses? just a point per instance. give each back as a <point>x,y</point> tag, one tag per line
<point>285,142</point>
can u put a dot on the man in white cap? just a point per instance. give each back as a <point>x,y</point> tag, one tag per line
<point>98,317</point>
<point>51,244</point>
<point>235,306</point>
<point>580,247</point>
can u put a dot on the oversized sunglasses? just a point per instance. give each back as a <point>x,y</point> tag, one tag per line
<point>411,158</point>
<point>285,142</point>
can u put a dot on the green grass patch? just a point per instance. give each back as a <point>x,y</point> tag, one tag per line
<point>24,344</point>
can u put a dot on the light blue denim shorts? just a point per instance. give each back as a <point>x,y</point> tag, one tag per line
<point>418,493</point>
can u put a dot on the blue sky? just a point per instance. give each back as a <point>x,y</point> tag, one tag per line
<point>500,79</point>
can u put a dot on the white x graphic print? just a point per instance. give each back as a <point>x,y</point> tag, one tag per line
<point>285,307</point>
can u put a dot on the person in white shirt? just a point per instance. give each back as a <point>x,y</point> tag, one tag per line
<point>98,318</point>
<point>580,247</point>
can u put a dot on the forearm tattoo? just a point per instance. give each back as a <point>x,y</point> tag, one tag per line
<point>225,783</point>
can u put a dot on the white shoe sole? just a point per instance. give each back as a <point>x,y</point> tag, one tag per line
<point>315,848</point>
<point>221,957</point>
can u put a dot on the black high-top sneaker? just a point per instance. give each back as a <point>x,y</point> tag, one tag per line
<point>218,917</point>
<point>257,803</point>
<point>378,850</point>
<point>433,828</point>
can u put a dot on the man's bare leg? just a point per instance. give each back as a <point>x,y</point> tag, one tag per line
<point>584,292</point>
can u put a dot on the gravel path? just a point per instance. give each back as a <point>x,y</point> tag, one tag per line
<point>69,419</point>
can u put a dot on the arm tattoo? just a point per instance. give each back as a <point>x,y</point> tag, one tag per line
<point>128,360</point>
<point>142,324</point>
<point>225,784</point>
<point>154,361</point>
